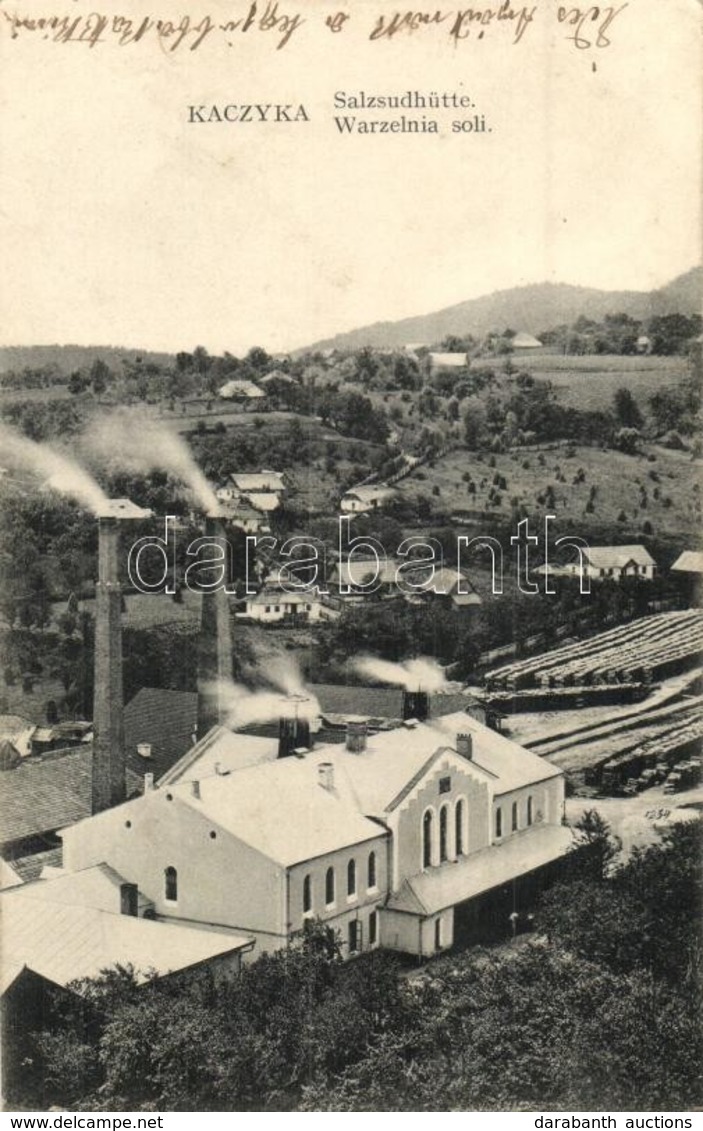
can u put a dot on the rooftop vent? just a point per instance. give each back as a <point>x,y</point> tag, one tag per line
<point>325,775</point>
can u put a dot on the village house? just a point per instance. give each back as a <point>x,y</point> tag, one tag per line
<point>688,571</point>
<point>361,500</point>
<point>253,494</point>
<point>446,360</point>
<point>274,604</point>
<point>602,563</point>
<point>525,341</point>
<point>240,390</point>
<point>414,838</point>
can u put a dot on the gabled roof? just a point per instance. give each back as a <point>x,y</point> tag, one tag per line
<point>281,810</point>
<point>223,751</point>
<point>282,597</point>
<point>690,561</point>
<point>524,341</point>
<point>63,943</point>
<point>258,480</point>
<point>357,571</point>
<point>438,888</point>
<point>166,720</point>
<point>370,492</point>
<point>241,388</point>
<point>609,557</point>
<point>265,501</point>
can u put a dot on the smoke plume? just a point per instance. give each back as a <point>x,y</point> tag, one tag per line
<point>422,674</point>
<point>141,443</point>
<point>59,471</point>
<point>244,707</point>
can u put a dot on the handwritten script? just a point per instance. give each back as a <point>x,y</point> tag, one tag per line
<point>583,27</point>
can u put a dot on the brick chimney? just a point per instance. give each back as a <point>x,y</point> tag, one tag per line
<point>464,746</point>
<point>416,705</point>
<point>214,648</point>
<point>357,730</point>
<point>109,786</point>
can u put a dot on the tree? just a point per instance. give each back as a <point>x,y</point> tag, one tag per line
<point>626,410</point>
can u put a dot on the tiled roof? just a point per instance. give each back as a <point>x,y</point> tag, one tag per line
<point>381,702</point>
<point>47,792</point>
<point>165,719</point>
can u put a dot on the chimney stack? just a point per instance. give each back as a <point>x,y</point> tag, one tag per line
<point>214,646</point>
<point>357,730</point>
<point>416,705</point>
<point>293,733</point>
<point>325,775</point>
<point>109,785</point>
<point>195,789</point>
<point>465,746</point>
<point>109,765</point>
<point>148,783</point>
<point>144,749</point>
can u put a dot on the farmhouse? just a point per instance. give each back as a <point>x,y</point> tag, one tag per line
<point>524,341</point>
<point>361,500</point>
<point>274,604</point>
<point>413,839</point>
<point>260,492</point>
<point>607,562</point>
<point>240,390</point>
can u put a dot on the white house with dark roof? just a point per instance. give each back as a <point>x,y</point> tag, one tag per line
<point>607,562</point>
<point>370,497</point>
<point>412,838</point>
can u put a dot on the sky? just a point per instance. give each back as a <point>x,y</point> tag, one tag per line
<point>123,223</point>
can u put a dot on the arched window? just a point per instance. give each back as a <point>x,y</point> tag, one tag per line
<point>427,839</point>
<point>171,885</point>
<point>514,823</point>
<point>499,822</point>
<point>307,894</point>
<point>459,827</point>
<point>329,887</point>
<point>351,877</point>
<point>371,871</point>
<point>529,810</point>
<point>443,852</point>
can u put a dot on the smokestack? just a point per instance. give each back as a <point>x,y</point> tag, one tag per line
<point>109,786</point>
<point>357,730</point>
<point>293,733</point>
<point>214,648</point>
<point>416,705</point>
<point>109,765</point>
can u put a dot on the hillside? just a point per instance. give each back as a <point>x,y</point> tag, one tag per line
<point>69,358</point>
<point>534,308</point>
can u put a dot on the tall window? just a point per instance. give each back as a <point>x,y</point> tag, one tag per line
<point>427,839</point>
<point>443,854</point>
<point>353,936</point>
<point>171,885</point>
<point>529,810</point>
<point>514,823</point>
<point>459,827</point>
<point>307,894</point>
<point>351,877</point>
<point>329,886</point>
<point>373,929</point>
<point>371,871</point>
<point>499,822</point>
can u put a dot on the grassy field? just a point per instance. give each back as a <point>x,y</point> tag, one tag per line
<point>528,472</point>
<point>591,382</point>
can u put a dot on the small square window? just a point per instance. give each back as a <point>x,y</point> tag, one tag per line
<point>445,785</point>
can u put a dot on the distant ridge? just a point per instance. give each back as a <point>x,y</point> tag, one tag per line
<point>71,357</point>
<point>533,308</point>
